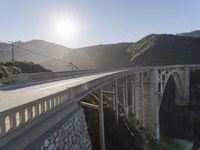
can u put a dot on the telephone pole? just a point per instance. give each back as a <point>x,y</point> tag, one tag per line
<point>12,51</point>
<point>13,54</point>
<point>72,66</point>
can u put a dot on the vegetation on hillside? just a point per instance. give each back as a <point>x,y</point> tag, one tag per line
<point>139,47</point>
<point>165,49</point>
<point>16,67</point>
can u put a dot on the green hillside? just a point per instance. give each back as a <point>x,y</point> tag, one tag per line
<point>165,49</point>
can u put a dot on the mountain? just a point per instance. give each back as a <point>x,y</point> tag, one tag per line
<point>57,57</point>
<point>37,51</point>
<point>165,49</point>
<point>101,56</point>
<point>195,33</point>
<point>95,57</point>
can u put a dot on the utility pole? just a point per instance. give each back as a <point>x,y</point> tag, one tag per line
<point>72,66</point>
<point>12,51</point>
<point>13,54</point>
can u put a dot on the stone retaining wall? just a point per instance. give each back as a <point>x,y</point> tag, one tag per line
<point>71,135</point>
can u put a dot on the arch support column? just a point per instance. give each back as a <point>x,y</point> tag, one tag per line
<point>186,88</point>
<point>156,102</point>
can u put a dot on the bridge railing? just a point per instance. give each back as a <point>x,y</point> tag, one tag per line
<point>48,75</point>
<point>15,118</point>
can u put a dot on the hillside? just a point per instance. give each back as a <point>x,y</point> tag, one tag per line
<point>10,68</point>
<point>101,56</point>
<point>37,51</point>
<point>94,57</point>
<point>195,33</point>
<point>56,57</point>
<point>165,49</point>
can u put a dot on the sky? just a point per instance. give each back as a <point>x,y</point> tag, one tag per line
<point>95,21</point>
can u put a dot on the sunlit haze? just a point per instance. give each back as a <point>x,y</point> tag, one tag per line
<point>66,28</point>
<point>77,23</point>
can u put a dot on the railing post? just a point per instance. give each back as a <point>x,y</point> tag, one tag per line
<point>48,105</point>
<point>42,107</point>
<point>52,102</point>
<point>37,110</point>
<point>13,123</point>
<point>23,116</point>
<point>30,113</point>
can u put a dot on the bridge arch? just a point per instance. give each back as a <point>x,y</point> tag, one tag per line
<point>170,112</point>
<point>179,91</point>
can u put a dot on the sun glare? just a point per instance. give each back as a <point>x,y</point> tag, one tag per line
<point>66,28</point>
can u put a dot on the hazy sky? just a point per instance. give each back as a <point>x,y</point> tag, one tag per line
<point>96,21</point>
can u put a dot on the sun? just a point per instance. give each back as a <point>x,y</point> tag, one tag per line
<point>66,28</point>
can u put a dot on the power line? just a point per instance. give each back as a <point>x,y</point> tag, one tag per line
<point>39,54</point>
<point>73,66</point>
<point>36,53</point>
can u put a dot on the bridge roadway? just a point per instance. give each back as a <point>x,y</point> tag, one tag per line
<point>15,96</point>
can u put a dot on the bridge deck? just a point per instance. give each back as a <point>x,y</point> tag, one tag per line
<point>18,96</point>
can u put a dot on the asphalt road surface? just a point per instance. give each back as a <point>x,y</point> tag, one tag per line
<point>16,95</point>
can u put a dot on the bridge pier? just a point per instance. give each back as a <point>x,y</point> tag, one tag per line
<point>132,94</point>
<point>186,83</point>
<point>101,121</point>
<point>156,106</point>
<point>146,100</point>
<point>126,96</point>
<point>116,101</point>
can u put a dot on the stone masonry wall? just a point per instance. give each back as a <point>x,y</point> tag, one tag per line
<point>72,135</point>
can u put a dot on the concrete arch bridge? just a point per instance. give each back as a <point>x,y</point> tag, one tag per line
<point>38,111</point>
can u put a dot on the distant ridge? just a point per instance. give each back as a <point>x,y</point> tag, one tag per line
<point>195,33</point>
<point>98,57</point>
<point>57,57</point>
